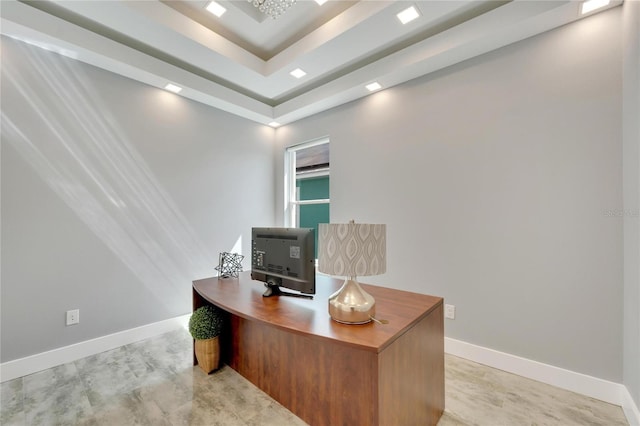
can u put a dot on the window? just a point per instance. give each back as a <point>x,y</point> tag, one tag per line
<point>307,185</point>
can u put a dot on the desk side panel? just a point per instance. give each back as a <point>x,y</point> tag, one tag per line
<point>320,382</point>
<point>411,373</point>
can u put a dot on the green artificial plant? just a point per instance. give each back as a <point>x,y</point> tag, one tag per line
<point>206,323</point>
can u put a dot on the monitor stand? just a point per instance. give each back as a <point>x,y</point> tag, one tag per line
<point>273,289</point>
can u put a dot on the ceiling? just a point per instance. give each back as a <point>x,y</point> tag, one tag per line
<point>241,62</point>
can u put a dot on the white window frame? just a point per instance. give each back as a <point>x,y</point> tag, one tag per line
<point>291,196</point>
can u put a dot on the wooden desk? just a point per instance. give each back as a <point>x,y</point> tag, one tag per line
<point>329,373</point>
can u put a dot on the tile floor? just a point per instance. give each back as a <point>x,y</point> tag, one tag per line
<point>152,382</point>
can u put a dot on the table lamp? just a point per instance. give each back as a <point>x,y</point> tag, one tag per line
<point>352,250</point>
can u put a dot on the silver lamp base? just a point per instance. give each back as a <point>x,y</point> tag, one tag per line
<point>351,304</point>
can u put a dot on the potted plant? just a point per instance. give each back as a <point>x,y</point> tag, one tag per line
<point>205,326</point>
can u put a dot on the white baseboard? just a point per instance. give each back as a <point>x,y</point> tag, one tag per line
<point>614,393</point>
<point>38,362</point>
<point>630,409</point>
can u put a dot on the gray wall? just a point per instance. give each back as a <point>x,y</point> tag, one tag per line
<point>631,186</point>
<point>497,179</point>
<point>115,196</point>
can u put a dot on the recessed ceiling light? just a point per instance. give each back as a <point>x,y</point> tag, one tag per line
<point>321,2</point>
<point>373,86</point>
<point>591,5</point>
<point>274,124</point>
<point>216,8</point>
<point>408,15</point>
<point>173,88</point>
<point>298,73</point>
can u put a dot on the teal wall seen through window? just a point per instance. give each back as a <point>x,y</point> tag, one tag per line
<point>313,214</point>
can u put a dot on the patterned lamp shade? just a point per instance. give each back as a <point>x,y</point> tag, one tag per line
<point>352,249</point>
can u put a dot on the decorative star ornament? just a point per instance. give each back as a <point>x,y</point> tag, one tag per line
<point>230,264</point>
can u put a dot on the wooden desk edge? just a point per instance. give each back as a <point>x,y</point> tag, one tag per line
<point>370,348</point>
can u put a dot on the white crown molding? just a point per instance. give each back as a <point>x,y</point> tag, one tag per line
<point>263,91</point>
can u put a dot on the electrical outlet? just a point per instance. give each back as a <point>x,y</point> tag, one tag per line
<point>450,311</point>
<point>73,316</point>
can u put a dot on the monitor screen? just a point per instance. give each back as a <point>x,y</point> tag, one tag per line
<point>284,258</point>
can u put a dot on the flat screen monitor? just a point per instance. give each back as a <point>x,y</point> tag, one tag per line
<point>284,258</point>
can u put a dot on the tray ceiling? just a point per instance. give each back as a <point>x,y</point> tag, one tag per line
<point>241,61</point>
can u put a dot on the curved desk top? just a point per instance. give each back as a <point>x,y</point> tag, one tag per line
<point>242,296</point>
